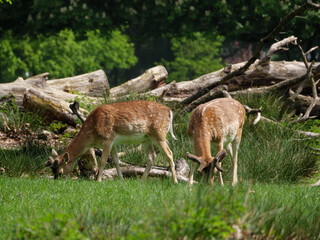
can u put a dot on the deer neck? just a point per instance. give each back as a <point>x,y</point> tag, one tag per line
<point>75,149</point>
<point>203,148</point>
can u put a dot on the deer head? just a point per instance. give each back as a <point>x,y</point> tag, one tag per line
<point>57,163</point>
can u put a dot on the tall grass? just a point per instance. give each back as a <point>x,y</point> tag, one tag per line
<point>267,202</point>
<point>28,159</point>
<point>154,209</point>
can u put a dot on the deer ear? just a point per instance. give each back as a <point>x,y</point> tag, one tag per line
<point>50,162</point>
<point>54,153</point>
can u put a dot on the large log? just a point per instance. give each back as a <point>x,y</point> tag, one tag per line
<point>257,75</point>
<point>89,84</point>
<point>93,84</point>
<point>52,97</point>
<point>151,79</point>
<point>50,108</point>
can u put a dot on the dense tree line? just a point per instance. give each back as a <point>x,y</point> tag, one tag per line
<point>151,24</point>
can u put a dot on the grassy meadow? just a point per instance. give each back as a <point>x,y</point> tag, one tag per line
<point>273,199</point>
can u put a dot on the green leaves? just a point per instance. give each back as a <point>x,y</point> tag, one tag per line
<point>64,55</point>
<point>194,57</point>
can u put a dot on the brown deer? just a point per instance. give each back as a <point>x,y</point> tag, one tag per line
<point>129,122</point>
<point>220,122</point>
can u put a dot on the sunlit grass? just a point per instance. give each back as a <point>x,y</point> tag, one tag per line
<point>269,201</point>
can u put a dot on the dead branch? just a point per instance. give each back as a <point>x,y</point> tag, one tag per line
<point>276,47</point>
<point>257,52</point>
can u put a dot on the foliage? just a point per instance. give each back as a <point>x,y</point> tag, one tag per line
<point>28,160</point>
<point>193,57</point>
<point>248,19</point>
<point>52,226</point>
<point>63,54</point>
<point>8,1</point>
<point>273,152</point>
<point>209,216</point>
<point>15,120</point>
<point>57,126</point>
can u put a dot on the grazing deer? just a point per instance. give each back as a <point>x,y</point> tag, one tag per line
<point>220,122</point>
<point>133,122</point>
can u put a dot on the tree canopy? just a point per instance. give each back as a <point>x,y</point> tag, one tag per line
<point>144,22</point>
<point>247,20</point>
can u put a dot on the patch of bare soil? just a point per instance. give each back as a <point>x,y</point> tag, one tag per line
<point>16,140</point>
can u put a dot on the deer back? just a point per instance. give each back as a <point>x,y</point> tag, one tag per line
<point>130,118</point>
<point>215,121</point>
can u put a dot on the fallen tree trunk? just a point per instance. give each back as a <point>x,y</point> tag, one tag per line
<point>94,84</point>
<point>49,108</point>
<point>51,98</point>
<point>130,171</point>
<point>256,76</point>
<point>151,79</point>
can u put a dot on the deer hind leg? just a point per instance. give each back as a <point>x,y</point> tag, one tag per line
<point>164,146</point>
<point>115,159</point>
<point>148,147</point>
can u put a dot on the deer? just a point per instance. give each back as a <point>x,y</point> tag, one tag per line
<point>131,122</point>
<point>219,122</point>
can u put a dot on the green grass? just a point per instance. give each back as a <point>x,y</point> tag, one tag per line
<point>133,209</point>
<point>272,199</point>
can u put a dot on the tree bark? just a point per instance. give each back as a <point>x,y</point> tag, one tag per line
<point>93,84</point>
<point>151,79</point>
<point>88,84</point>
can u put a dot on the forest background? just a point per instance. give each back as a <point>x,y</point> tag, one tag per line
<point>124,38</point>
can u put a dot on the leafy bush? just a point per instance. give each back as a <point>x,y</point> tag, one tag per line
<point>194,57</point>
<point>64,55</point>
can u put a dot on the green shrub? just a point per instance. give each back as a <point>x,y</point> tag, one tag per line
<point>64,55</point>
<point>193,57</point>
<point>270,152</point>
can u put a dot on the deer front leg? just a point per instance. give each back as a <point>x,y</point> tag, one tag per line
<point>104,157</point>
<point>235,147</point>
<point>95,167</point>
<point>219,149</point>
<point>191,172</point>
